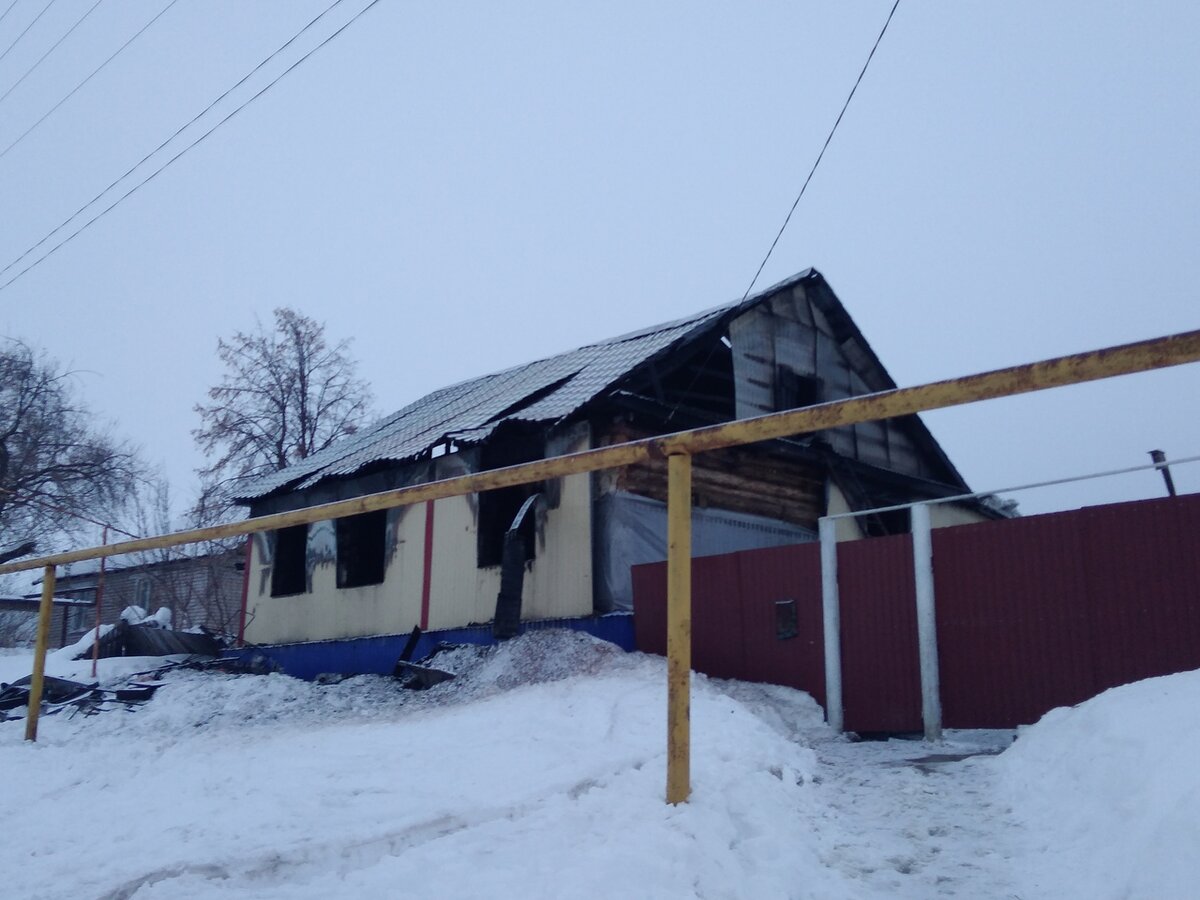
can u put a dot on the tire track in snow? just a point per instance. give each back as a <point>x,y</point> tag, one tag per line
<point>303,863</point>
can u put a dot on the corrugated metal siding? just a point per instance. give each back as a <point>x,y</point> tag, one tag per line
<point>1012,630</point>
<point>1142,566</point>
<point>881,686</point>
<point>1046,611</point>
<point>733,615</point>
<point>774,574</point>
<point>1032,613</point>
<point>718,632</point>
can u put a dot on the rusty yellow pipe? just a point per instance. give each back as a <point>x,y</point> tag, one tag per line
<point>1123,360</point>
<point>679,626</point>
<point>38,681</point>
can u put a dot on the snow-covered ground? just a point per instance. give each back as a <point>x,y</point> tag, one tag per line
<point>540,772</point>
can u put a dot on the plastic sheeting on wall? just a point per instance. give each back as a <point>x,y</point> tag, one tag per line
<point>631,529</point>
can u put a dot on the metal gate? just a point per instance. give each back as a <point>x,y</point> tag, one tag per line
<point>1032,613</point>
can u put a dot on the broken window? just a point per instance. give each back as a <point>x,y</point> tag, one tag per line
<point>288,573</point>
<point>893,521</point>
<point>498,508</point>
<point>793,390</point>
<point>361,549</point>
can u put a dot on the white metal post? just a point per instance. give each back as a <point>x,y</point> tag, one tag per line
<point>831,616</point>
<point>931,692</point>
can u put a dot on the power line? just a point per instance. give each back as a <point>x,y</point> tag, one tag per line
<point>796,203</point>
<point>41,60</point>
<point>94,72</point>
<point>27,27</point>
<point>824,147</point>
<point>7,11</point>
<point>176,134</point>
<point>198,140</point>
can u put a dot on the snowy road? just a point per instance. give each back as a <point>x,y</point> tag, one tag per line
<point>916,829</point>
<point>539,773</point>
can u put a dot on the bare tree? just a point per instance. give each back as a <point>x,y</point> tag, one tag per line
<point>58,468</point>
<point>286,394</point>
<point>200,583</point>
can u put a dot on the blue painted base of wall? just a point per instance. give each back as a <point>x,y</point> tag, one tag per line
<point>378,655</point>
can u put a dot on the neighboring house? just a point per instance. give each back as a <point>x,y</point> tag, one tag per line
<point>19,616</point>
<point>438,564</point>
<point>204,589</point>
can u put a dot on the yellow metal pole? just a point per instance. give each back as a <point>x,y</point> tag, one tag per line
<point>1173,350</point>
<point>679,626</point>
<point>45,610</point>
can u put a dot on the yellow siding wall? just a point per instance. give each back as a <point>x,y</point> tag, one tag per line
<point>845,529</point>
<point>557,584</point>
<point>941,515</point>
<point>327,612</point>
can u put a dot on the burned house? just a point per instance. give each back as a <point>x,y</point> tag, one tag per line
<point>438,564</point>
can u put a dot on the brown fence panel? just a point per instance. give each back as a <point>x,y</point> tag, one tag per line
<point>1142,579</point>
<point>717,631</point>
<point>717,645</point>
<point>881,681</point>
<point>782,621</point>
<point>1013,633</point>
<point>736,620</point>
<point>650,608</point>
<point>1032,613</point>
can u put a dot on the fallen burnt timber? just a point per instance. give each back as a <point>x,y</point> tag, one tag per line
<point>146,639</point>
<point>60,694</point>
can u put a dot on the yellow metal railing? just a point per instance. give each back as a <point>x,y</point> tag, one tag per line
<point>677,448</point>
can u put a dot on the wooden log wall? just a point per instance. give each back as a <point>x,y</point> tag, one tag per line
<point>744,480</point>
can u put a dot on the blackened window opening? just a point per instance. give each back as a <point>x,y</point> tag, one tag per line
<point>793,390</point>
<point>703,384</point>
<point>288,575</point>
<point>498,508</point>
<point>894,521</point>
<point>361,549</point>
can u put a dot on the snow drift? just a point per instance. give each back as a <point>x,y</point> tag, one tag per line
<point>1108,793</point>
<point>539,772</point>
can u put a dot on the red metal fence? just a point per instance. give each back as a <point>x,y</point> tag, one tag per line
<point>1032,613</point>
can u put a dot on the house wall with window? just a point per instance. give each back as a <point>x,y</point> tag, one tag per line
<point>201,590</point>
<point>439,565</point>
<point>420,565</point>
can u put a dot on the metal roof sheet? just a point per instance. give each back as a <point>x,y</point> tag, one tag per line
<point>546,390</point>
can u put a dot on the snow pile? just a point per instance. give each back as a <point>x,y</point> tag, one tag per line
<point>136,615</point>
<point>1108,794</point>
<point>539,772</point>
<point>545,784</point>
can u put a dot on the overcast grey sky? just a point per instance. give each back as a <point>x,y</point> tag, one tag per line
<point>466,186</point>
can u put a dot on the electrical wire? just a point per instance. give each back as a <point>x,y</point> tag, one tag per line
<point>198,140</point>
<point>93,74</point>
<point>29,71</point>
<point>824,147</point>
<point>4,14</point>
<point>796,202</point>
<point>27,27</point>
